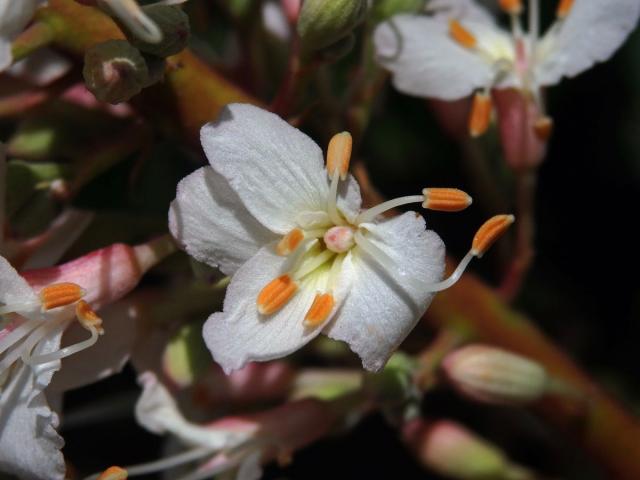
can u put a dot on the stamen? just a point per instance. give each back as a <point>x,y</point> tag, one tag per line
<point>44,330</point>
<point>276,294</point>
<point>63,352</point>
<point>114,473</point>
<point>17,333</point>
<point>512,7</point>
<point>320,310</point>
<point>88,318</point>
<point>339,155</point>
<point>489,232</point>
<point>480,114</point>
<point>313,263</point>
<point>60,294</point>
<point>564,7</point>
<point>332,204</point>
<point>446,199</point>
<point>543,127</point>
<point>461,35</point>
<point>290,242</point>
<point>369,215</point>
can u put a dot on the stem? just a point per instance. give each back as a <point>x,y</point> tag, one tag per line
<point>33,38</point>
<point>525,232</point>
<point>282,102</point>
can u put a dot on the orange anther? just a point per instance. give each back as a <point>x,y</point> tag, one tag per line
<point>564,7</point>
<point>489,232</point>
<point>276,294</point>
<point>320,309</point>
<point>461,35</point>
<point>480,114</point>
<point>60,294</point>
<point>114,473</point>
<point>339,154</point>
<point>512,7</point>
<point>543,127</point>
<point>445,199</point>
<point>87,317</point>
<point>290,242</point>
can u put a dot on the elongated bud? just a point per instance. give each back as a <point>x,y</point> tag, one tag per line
<point>324,22</point>
<point>172,22</point>
<point>451,450</point>
<point>489,232</point>
<point>114,473</point>
<point>492,375</point>
<point>114,71</point>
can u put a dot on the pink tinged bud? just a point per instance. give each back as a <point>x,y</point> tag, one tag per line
<point>524,130</point>
<point>107,274</point>
<point>453,451</point>
<point>291,10</point>
<point>491,375</point>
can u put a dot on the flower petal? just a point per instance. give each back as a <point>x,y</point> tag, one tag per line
<point>276,170</point>
<point>239,334</point>
<point>29,444</point>
<point>211,223</point>
<point>591,33</point>
<point>383,307</point>
<point>426,62</point>
<point>13,288</point>
<point>460,9</point>
<point>6,56</point>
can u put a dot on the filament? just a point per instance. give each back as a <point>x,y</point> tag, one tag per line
<point>370,214</point>
<point>454,277</point>
<point>66,351</point>
<point>17,333</point>
<point>312,264</point>
<point>332,204</point>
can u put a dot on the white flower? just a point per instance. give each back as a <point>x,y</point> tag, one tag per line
<point>458,48</point>
<point>304,258</point>
<point>14,16</point>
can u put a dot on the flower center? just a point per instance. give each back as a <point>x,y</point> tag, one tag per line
<point>339,239</point>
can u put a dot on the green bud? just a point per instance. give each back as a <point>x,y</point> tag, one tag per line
<point>325,22</point>
<point>175,28</point>
<point>383,9</point>
<point>339,49</point>
<point>115,71</point>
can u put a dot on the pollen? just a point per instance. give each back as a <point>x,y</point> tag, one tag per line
<point>290,242</point>
<point>489,232</point>
<point>87,317</point>
<point>276,294</point>
<point>480,114</point>
<point>60,294</point>
<point>564,7</point>
<point>320,309</point>
<point>461,35</point>
<point>512,7</point>
<point>339,154</point>
<point>114,473</point>
<point>543,127</point>
<point>446,199</point>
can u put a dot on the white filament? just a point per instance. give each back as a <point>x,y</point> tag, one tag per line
<point>455,276</point>
<point>17,333</point>
<point>130,13</point>
<point>43,331</point>
<point>332,203</point>
<point>372,213</point>
<point>312,264</point>
<point>66,351</point>
<point>534,24</point>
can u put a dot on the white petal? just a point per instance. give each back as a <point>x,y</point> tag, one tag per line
<point>275,169</point>
<point>5,54</point>
<point>14,15</point>
<point>29,444</point>
<point>211,223</point>
<point>14,289</point>
<point>239,334</point>
<point>382,308</point>
<point>591,33</point>
<point>426,62</point>
<point>460,9</point>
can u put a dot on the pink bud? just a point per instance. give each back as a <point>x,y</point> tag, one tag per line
<point>291,10</point>
<point>106,274</point>
<point>524,144</point>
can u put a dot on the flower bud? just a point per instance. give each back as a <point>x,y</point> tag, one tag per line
<point>491,375</point>
<point>114,71</point>
<point>175,28</point>
<point>453,451</point>
<point>324,22</point>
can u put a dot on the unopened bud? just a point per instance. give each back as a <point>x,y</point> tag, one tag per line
<point>453,451</point>
<point>491,375</point>
<point>325,22</point>
<point>175,28</point>
<point>114,71</point>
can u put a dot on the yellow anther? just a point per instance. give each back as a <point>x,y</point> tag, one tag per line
<point>445,199</point>
<point>512,7</point>
<point>320,309</point>
<point>290,242</point>
<point>339,154</point>
<point>87,317</point>
<point>480,114</point>
<point>276,294</point>
<point>489,232</point>
<point>461,35</point>
<point>114,473</point>
<point>564,7</point>
<point>60,294</point>
<point>543,127</point>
